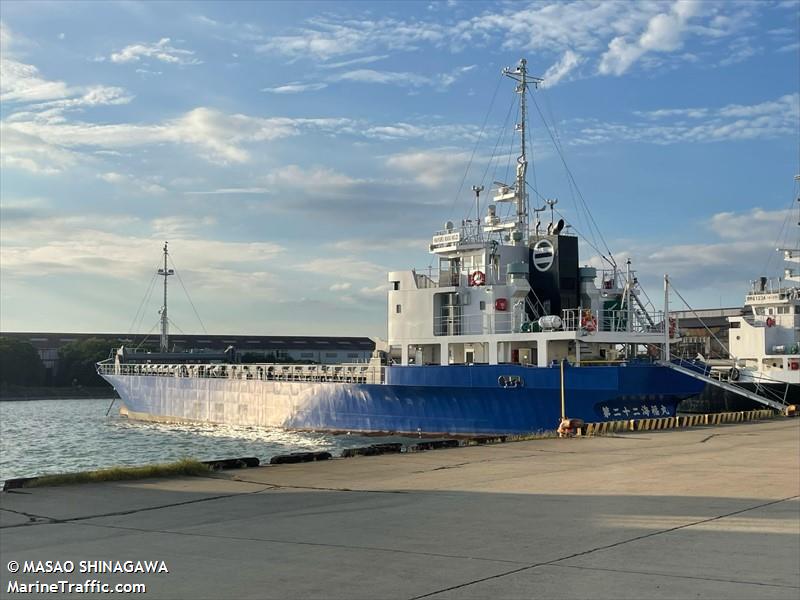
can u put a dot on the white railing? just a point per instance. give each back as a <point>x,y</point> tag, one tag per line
<point>575,319</point>
<point>612,321</point>
<point>475,324</point>
<point>433,278</point>
<point>258,372</point>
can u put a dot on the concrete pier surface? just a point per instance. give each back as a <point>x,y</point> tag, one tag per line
<point>696,513</point>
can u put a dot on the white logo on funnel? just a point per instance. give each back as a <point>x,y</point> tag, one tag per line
<point>543,255</point>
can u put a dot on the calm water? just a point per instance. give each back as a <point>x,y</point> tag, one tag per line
<point>58,436</point>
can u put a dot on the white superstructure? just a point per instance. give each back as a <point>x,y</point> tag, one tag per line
<point>765,340</point>
<point>505,294</point>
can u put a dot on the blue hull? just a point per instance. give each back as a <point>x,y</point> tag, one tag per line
<point>455,400</point>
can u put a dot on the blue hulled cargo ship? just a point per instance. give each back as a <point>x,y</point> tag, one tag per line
<point>488,342</point>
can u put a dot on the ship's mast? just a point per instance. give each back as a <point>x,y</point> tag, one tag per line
<point>520,75</point>
<point>165,272</point>
<point>792,255</point>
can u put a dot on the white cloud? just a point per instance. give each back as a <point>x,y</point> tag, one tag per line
<point>714,267</point>
<point>563,67</point>
<point>325,39</point>
<point>664,33</point>
<point>340,287</point>
<point>378,290</point>
<point>43,129</point>
<point>765,120</point>
<point>22,83</point>
<point>295,88</point>
<point>229,191</point>
<point>692,113</point>
<point>216,135</point>
<point>787,105</point>
<point>143,185</point>
<point>370,244</point>
<point>315,179</point>
<point>613,35</point>
<point>93,96</point>
<point>426,131</point>
<point>448,79</point>
<point>403,79</point>
<point>144,73</point>
<point>220,135</point>
<point>430,167</point>
<point>756,224</point>
<point>6,38</point>
<point>31,153</point>
<point>740,50</point>
<point>385,77</point>
<point>181,227</point>
<point>122,247</point>
<point>161,50</point>
<point>345,266</point>
<point>355,61</point>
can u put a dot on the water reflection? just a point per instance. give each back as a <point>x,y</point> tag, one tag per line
<point>56,436</point>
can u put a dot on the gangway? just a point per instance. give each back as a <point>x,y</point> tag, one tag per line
<point>724,385</point>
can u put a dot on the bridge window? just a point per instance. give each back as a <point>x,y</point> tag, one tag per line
<point>398,309</point>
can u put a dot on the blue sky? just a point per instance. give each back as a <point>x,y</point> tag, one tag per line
<point>292,153</point>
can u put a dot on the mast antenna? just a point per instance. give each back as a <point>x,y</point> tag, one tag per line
<point>520,75</point>
<point>165,272</point>
<point>477,189</point>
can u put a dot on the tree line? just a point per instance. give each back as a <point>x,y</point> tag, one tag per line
<point>20,364</point>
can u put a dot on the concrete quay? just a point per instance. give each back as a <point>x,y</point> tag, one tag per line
<point>711,512</point>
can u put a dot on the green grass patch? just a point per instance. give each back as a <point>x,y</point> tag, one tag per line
<point>539,435</point>
<point>185,466</point>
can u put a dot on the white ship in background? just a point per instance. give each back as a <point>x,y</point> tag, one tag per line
<point>764,340</point>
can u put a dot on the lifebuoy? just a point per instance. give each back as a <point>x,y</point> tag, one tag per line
<point>588,322</point>
<point>477,278</point>
<point>770,322</point>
